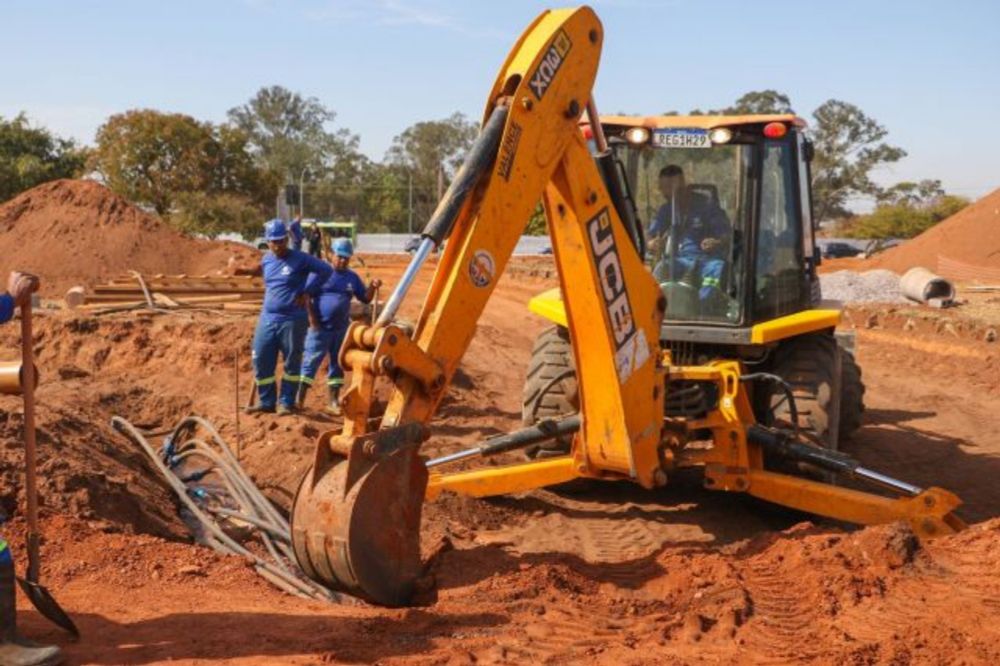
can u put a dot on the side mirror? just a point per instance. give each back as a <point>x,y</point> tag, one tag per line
<point>808,150</point>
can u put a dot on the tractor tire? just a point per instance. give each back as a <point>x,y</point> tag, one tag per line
<point>550,389</point>
<point>852,395</point>
<point>809,364</point>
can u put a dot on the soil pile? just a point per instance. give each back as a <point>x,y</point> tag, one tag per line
<point>79,232</point>
<point>964,246</point>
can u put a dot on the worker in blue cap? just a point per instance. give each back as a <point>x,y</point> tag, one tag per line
<point>16,650</point>
<point>283,319</point>
<point>329,317</point>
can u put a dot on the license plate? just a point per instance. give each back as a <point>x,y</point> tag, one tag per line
<point>681,138</point>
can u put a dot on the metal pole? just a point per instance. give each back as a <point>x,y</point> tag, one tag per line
<point>236,389</point>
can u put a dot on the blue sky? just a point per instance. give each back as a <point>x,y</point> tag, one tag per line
<point>928,71</point>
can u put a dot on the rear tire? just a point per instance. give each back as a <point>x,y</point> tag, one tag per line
<point>852,395</point>
<point>551,390</point>
<point>809,364</point>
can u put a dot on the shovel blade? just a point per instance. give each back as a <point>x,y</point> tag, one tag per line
<point>44,602</point>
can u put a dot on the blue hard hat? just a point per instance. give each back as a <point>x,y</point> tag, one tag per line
<point>275,230</point>
<point>343,247</point>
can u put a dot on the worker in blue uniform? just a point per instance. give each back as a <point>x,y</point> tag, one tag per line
<point>16,650</point>
<point>329,317</point>
<point>283,319</point>
<point>698,231</point>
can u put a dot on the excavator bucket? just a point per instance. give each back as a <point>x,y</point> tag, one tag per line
<point>356,516</point>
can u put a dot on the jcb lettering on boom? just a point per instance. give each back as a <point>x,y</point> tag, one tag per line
<point>630,351</point>
<point>551,62</point>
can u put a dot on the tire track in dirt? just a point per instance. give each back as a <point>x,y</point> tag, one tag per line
<point>785,615</point>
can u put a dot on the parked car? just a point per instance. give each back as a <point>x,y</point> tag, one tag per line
<point>837,250</point>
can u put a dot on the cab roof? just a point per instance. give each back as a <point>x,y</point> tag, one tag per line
<point>700,122</point>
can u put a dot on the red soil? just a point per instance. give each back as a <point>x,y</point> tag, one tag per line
<point>79,232</point>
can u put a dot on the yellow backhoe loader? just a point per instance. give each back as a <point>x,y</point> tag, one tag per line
<point>649,399</point>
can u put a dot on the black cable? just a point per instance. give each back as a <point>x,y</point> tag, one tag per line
<point>786,389</point>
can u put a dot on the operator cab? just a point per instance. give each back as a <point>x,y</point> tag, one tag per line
<point>724,204</point>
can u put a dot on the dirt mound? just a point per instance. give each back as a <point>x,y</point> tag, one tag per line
<point>79,232</point>
<point>965,244</point>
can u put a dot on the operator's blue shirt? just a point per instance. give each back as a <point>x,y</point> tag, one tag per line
<point>6,308</point>
<point>333,307</point>
<point>703,220</point>
<point>285,280</point>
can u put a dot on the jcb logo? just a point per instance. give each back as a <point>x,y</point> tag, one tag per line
<point>612,278</point>
<point>550,65</point>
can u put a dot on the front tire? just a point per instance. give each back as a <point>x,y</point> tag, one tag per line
<point>551,390</point>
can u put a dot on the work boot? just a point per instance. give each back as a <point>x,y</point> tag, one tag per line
<point>334,406</point>
<point>258,409</point>
<point>285,410</point>
<point>14,649</point>
<point>300,396</point>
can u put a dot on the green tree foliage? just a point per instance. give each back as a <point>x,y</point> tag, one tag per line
<point>199,176</point>
<point>760,102</point>
<point>849,147</point>
<point>909,193</point>
<point>904,218</point>
<point>30,156</point>
<point>423,149</point>
<point>288,132</point>
<point>148,156</point>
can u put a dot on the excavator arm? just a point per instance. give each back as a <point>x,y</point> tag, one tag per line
<point>356,516</point>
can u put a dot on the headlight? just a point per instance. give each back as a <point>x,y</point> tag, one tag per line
<point>637,135</point>
<point>720,135</point>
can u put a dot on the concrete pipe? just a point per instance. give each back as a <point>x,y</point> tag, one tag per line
<point>11,378</point>
<point>920,285</point>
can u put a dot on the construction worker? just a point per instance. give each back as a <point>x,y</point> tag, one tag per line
<point>329,316</point>
<point>283,319</point>
<point>314,241</point>
<point>698,231</point>
<point>16,650</point>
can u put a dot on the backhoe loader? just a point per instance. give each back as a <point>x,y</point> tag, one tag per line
<point>356,515</point>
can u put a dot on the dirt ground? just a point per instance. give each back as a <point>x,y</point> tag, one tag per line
<point>616,575</point>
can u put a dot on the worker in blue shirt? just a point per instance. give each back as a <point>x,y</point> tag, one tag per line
<point>698,230</point>
<point>329,317</point>
<point>283,319</point>
<point>14,648</point>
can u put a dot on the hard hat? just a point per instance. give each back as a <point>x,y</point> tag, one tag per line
<point>275,230</point>
<point>343,247</point>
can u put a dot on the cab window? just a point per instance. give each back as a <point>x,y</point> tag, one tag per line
<point>779,286</point>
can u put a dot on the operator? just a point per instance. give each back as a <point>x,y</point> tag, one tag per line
<point>700,232</point>
<point>15,649</point>
<point>283,319</point>
<point>329,317</point>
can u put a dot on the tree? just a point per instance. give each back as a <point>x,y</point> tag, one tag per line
<point>288,134</point>
<point>427,147</point>
<point>148,156</point>
<point>30,156</point>
<point>760,102</point>
<point>849,146</point>
<point>199,176</point>
<point>913,194</point>
<point>904,218</point>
